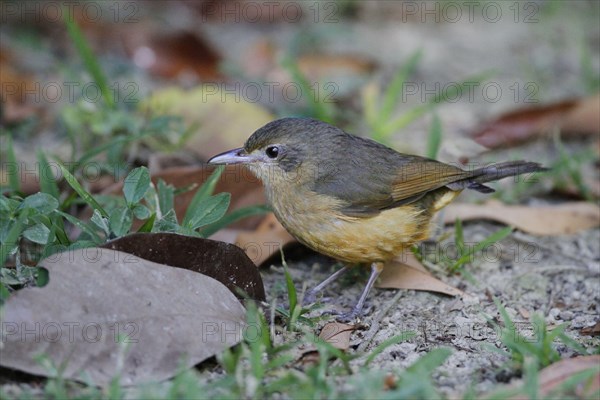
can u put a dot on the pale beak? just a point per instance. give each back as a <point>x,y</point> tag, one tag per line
<point>235,156</point>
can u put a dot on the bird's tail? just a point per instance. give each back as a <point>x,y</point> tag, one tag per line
<point>495,172</point>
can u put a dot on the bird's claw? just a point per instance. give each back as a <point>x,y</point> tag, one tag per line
<point>350,316</point>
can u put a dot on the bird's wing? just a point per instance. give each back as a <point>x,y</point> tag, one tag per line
<point>395,180</point>
<point>421,175</point>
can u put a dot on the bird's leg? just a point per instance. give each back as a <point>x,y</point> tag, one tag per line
<point>356,311</point>
<point>311,295</point>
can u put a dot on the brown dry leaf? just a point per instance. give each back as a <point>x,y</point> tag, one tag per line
<point>524,312</point>
<point>174,54</point>
<point>591,330</point>
<point>337,334</point>
<point>397,275</point>
<point>265,241</point>
<point>390,382</point>
<point>14,86</point>
<point>562,219</point>
<point>221,261</point>
<point>551,377</point>
<point>572,117</point>
<point>97,298</point>
<point>318,66</point>
<point>219,125</point>
<point>554,375</point>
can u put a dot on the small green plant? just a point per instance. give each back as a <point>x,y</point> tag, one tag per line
<point>40,220</point>
<point>434,138</point>
<point>379,114</point>
<point>114,126</point>
<point>295,312</point>
<point>416,381</point>
<point>589,74</point>
<point>465,253</point>
<point>317,106</point>
<point>566,173</point>
<point>528,355</point>
<point>539,348</point>
<point>568,168</point>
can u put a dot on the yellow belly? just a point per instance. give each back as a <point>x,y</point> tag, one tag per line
<point>351,239</point>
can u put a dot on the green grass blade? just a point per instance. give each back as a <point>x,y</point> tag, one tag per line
<point>81,225</point>
<point>396,87</point>
<point>89,59</point>
<point>206,190</point>
<point>84,194</point>
<point>47,182</point>
<point>291,290</point>
<point>434,139</point>
<point>459,238</point>
<point>430,361</point>
<point>452,92</point>
<point>319,109</point>
<point>387,343</point>
<point>493,238</point>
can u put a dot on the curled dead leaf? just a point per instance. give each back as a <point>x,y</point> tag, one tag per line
<point>224,262</point>
<point>562,219</point>
<point>398,275</point>
<point>553,376</point>
<point>577,116</point>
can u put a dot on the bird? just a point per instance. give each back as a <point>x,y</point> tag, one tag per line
<point>352,198</point>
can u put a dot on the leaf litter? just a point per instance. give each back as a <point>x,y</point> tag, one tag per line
<point>106,313</point>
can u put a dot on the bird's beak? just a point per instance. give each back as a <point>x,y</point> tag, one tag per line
<point>235,156</point>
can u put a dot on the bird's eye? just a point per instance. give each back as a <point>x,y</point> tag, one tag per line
<point>272,151</point>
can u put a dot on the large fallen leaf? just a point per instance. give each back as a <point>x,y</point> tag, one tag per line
<point>562,219</point>
<point>572,117</point>
<point>410,274</point>
<point>167,317</point>
<point>221,261</point>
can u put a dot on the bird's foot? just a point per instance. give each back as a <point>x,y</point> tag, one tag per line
<point>350,316</point>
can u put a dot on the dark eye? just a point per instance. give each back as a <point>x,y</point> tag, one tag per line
<point>272,151</point>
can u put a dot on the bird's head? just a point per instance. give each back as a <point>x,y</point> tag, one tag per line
<point>287,150</point>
